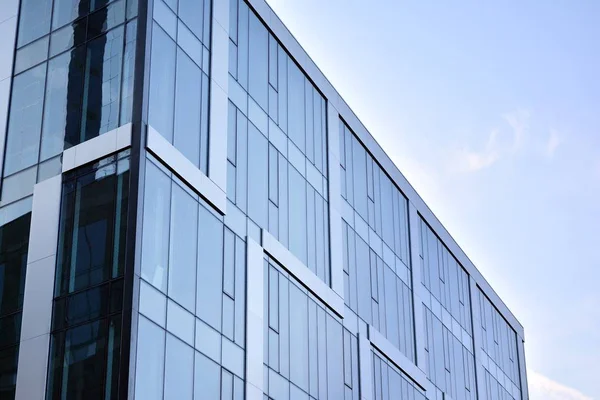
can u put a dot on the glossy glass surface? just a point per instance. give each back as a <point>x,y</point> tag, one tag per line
<point>14,240</point>
<point>86,322</point>
<point>499,350</point>
<point>93,225</point>
<point>304,343</point>
<point>178,100</point>
<point>391,383</point>
<point>82,91</point>
<point>277,158</point>
<point>193,288</point>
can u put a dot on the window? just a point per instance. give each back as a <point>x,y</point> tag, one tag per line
<point>179,84</point>
<point>150,361</point>
<point>184,242</point>
<point>303,343</point>
<point>34,20</point>
<point>93,225</point>
<point>25,120</point>
<point>14,241</point>
<point>83,91</point>
<point>84,361</point>
<point>277,142</point>
<point>86,323</point>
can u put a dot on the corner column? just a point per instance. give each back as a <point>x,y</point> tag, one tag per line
<point>39,290</point>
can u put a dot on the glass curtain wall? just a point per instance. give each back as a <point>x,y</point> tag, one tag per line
<point>277,143</point>
<point>389,383</point>
<point>73,81</point>
<point>499,353</point>
<point>88,298</point>
<point>179,71</point>
<point>307,351</point>
<point>191,329</point>
<point>377,283</point>
<point>447,318</point>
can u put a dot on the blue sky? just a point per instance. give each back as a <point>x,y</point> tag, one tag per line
<point>492,112</point>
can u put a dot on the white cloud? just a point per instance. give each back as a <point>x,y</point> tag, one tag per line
<point>500,144</point>
<point>519,122</point>
<point>476,160</point>
<point>553,142</point>
<point>544,388</point>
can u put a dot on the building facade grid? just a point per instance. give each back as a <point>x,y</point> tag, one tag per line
<point>189,210</point>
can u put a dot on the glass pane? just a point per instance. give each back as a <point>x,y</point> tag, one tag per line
<point>162,83</point>
<point>128,71</point>
<point>67,37</point>
<point>64,88</point>
<point>296,118</point>
<point>298,337</point>
<point>210,269</point>
<point>155,237</point>
<point>257,176</point>
<point>184,239</point>
<point>8,370</point>
<point>14,240</point>
<point>258,66</point>
<point>93,228</point>
<point>179,370</point>
<point>34,20</point>
<point>150,361</point>
<point>188,98</point>
<point>207,379</point>
<point>23,137</point>
<point>192,13</point>
<point>31,54</point>
<point>102,85</point>
<point>66,11</point>
<point>297,215</point>
<point>84,361</point>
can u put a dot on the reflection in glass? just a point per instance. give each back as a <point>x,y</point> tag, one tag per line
<point>155,250</point>
<point>210,269</point>
<point>179,370</point>
<point>162,83</point>
<point>188,102</point>
<point>102,85</point>
<point>150,363</point>
<point>63,100</point>
<point>34,20</point>
<point>23,140</point>
<point>93,225</point>
<point>14,240</point>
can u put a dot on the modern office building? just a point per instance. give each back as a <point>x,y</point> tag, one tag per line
<point>189,210</point>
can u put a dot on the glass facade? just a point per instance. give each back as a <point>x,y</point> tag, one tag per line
<point>391,383</point>
<point>88,296</point>
<point>377,284</point>
<point>191,333</point>
<point>179,70</point>
<point>447,318</point>
<point>159,280</point>
<point>307,351</point>
<point>73,81</point>
<point>276,143</point>
<point>498,353</point>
